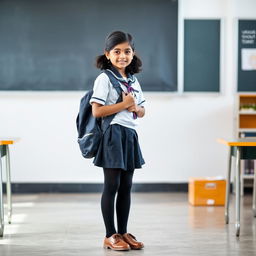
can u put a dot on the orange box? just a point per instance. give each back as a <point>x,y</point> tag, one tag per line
<point>207,191</point>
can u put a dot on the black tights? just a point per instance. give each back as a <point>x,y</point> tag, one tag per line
<point>120,182</point>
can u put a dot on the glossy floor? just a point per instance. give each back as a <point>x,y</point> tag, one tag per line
<point>71,224</point>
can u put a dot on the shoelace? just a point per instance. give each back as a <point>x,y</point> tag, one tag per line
<point>130,89</point>
<point>132,236</point>
<point>117,237</point>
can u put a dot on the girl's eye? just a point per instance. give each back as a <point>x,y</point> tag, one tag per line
<point>128,52</point>
<point>117,52</point>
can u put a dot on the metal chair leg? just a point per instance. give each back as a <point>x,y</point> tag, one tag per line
<point>8,185</point>
<point>228,187</point>
<point>1,201</point>
<point>254,191</point>
<point>238,190</point>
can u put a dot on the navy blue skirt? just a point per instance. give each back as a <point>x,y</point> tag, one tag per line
<point>119,148</point>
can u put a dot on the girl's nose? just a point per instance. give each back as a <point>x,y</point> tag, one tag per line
<point>122,54</point>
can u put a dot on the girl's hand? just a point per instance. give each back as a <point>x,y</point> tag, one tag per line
<point>133,108</point>
<point>128,99</point>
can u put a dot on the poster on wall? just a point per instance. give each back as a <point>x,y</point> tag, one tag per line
<point>249,59</point>
<point>247,55</point>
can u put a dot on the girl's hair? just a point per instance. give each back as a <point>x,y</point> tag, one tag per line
<point>118,37</point>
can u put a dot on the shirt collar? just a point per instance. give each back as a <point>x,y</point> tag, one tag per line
<point>117,75</point>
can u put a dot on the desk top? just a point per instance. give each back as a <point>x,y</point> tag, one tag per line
<point>7,140</point>
<point>242,142</point>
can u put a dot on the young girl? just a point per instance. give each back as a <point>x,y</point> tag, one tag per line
<point>119,152</point>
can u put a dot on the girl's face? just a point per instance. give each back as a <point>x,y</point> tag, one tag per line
<point>120,56</point>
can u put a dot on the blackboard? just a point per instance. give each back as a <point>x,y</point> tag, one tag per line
<point>52,44</point>
<point>201,55</point>
<point>246,56</point>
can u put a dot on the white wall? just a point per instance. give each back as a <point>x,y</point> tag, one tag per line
<point>177,136</point>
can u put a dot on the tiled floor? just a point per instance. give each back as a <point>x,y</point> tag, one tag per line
<point>71,224</point>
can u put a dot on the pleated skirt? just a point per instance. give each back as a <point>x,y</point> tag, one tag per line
<point>119,148</point>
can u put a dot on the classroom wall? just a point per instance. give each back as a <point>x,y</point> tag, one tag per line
<point>178,135</point>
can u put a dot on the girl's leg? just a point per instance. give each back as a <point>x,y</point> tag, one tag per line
<point>123,201</point>
<point>111,185</point>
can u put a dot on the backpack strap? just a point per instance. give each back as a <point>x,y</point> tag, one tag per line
<point>108,119</point>
<point>114,81</point>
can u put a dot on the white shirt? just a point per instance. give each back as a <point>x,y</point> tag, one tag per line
<point>105,94</point>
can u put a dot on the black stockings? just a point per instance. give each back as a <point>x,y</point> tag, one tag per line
<point>120,182</point>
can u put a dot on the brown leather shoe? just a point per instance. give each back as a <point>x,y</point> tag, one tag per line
<point>131,240</point>
<point>116,243</point>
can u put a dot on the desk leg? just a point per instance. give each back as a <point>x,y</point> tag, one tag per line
<point>228,186</point>
<point>8,185</point>
<point>1,201</point>
<point>254,191</point>
<point>238,191</point>
<point>242,170</point>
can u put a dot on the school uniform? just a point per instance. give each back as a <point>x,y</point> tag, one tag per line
<point>119,147</point>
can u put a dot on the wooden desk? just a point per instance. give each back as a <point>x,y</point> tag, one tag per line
<point>244,148</point>
<point>4,152</point>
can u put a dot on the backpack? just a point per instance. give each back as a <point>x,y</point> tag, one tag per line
<point>90,129</point>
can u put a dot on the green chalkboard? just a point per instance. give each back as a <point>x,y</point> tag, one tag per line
<point>201,55</point>
<point>246,56</point>
<point>52,44</point>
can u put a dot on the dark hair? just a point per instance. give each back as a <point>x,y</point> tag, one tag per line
<point>118,37</point>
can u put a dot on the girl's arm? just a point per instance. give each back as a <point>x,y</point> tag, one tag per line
<point>99,110</point>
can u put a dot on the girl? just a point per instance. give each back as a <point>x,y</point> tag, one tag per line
<point>119,152</point>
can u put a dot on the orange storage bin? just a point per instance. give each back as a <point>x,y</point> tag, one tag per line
<point>207,191</point>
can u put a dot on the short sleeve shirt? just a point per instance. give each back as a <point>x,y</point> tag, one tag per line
<point>105,94</point>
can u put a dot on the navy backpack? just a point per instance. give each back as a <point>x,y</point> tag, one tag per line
<point>90,129</point>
